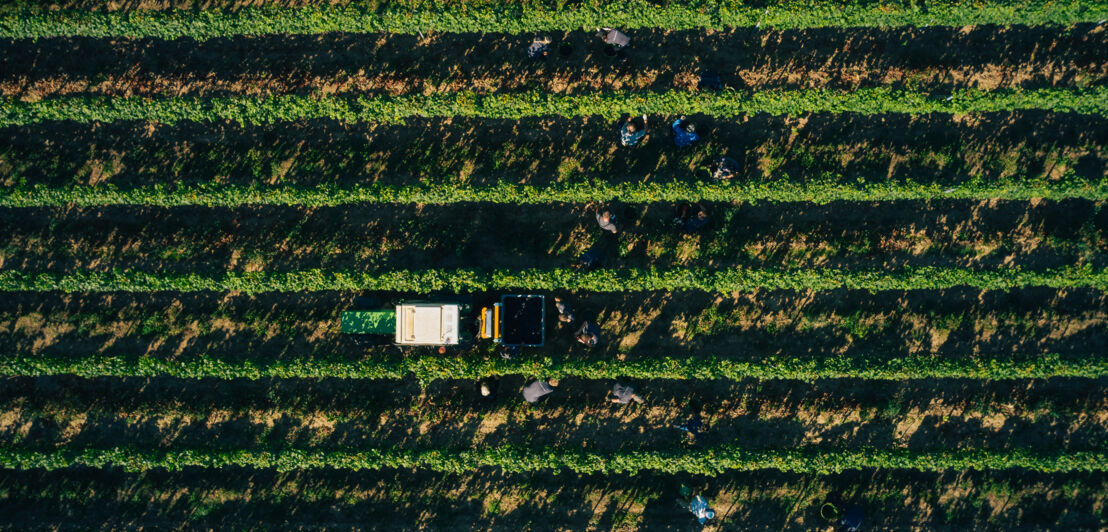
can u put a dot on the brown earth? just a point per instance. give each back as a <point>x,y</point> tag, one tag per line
<point>883,235</point>
<point>928,59</point>
<point>953,323</point>
<point>1050,415</point>
<point>490,500</point>
<point>937,148</point>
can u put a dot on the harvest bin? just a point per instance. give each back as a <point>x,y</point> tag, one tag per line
<point>524,320</point>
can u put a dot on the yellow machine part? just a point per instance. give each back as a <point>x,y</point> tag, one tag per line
<point>489,323</point>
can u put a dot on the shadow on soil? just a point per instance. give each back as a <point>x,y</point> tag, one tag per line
<point>934,148</point>
<point>490,500</point>
<point>929,59</point>
<point>956,323</point>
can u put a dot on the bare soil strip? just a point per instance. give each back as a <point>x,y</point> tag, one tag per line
<point>937,58</point>
<point>390,500</point>
<point>954,323</point>
<point>986,234</point>
<point>539,151</point>
<point>53,413</point>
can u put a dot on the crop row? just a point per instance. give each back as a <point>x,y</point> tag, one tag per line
<point>428,368</point>
<point>781,190</point>
<point>510,459</point>
<point>512,17</point>
<point>621,280</point>
<point>266,110</point>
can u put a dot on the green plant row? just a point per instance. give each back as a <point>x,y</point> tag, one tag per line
<point>633,191</point>
<point>266,110</point>
<point>513,459</point>
<point>429,368</point>
<point>512,17</point>
<point>607,280</point>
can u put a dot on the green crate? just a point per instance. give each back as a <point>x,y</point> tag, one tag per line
<point>369,322</point>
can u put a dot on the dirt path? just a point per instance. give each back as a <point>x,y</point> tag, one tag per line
<point>873,148</point>
<point>938,58</point>
<point>490,500</point>
<point>954,323</point>
<point>1068,414</point>
<point>976,234</point>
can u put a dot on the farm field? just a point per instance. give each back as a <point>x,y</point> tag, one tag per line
<point>213,211</point>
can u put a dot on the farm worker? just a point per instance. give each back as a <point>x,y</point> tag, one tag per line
<point>692,426</point>
<point>852,521</point>
<point>565,312</point>
<point>538,389</point>
<point>588,334</point>
<point>725,168</point>
<point>684,133</point>
<point>593,258</point>
<point>630,134</point>
<point>699,508</point>
<point>607,221</point>
<point>614,37</point>
<point>691,218</point>
<point>697,505</point>
<point>488,388</point>
<point>709,81</point>
<point>539,48</point>
<point>624,393</point>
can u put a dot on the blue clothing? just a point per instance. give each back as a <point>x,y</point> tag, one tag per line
<point>630,138</point>
<point>693,425</point>
<point>681,137</point>
<point>700,509</point>
<point>694,224</point>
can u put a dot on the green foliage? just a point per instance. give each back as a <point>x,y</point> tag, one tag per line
<point>621,280</point>
<point>508,16</point>
<point>837,188</point>
<point>428,368</point>
<point>724,104</point>
<point>516,459</point>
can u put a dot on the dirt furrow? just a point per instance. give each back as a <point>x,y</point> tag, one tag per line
<point>975,234</point>
<point>452,414</point>
<point>555,151</point>
<point>390,500</point>
<point>934,58</point>
<point>955,323</point>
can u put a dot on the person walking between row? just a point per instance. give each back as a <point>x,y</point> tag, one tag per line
<point>488,388</point>
<point>539,389</point>
<point>691,217</point>
<point>630,135</point>
<point>684,133</point>
<point>588,334</point>
<point>607,221</point>
<point>623,394</point>
<point>692,426</point>
<point>698,505</point>
<point>565,312</point>
<point>724,168</point>
<point>614,37</point>
<point>539,48</point>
